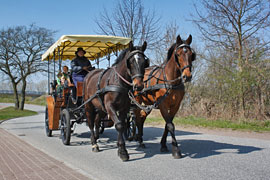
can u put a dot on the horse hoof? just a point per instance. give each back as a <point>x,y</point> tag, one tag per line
<point>124,157</point>
<point>95,148</point>
<point>177,155</point>
<point>164,149</point>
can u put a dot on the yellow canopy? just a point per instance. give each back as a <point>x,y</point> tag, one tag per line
<point>96,46</point>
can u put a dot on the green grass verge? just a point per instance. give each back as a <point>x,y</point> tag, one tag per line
<point>254,125</point>
<point>11,112</point>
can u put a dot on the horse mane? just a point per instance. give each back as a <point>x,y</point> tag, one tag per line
<point>120,57</point>
<point>123,53</point>
<point>170,52</point>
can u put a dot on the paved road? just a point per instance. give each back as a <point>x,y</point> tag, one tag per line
<point>205,156</point>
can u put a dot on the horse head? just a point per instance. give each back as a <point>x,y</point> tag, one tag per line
<point>184,55</point>
<point>136,64</point>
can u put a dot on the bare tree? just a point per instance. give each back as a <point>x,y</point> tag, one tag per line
<point>165,42</point>
<point>130,19</point>
<point>21,48</point>
<point>229,23</point>
<point>233,30</point>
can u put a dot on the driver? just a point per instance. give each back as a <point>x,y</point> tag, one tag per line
<point>80,66</point>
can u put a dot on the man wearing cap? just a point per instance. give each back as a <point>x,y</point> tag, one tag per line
<point>80,66</point>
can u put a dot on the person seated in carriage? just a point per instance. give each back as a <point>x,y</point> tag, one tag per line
<point>63,80</point>
<point>80,66</point>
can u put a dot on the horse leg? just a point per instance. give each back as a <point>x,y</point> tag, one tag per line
<point>140,118</point>
<point>163,141</point>
<point>91,115</point>
<point>119,126</point>
<point>169,127</point>
<point>97,122</point>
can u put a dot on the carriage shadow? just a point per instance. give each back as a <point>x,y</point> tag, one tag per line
<point>190,147</point>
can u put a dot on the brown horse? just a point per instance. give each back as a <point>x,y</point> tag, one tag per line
<point>164,89</point>
<point>108,89</point>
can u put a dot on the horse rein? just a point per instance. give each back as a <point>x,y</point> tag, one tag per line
<point>121,77</point>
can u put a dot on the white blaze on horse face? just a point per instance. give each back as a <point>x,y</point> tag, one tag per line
<point>136,56</point>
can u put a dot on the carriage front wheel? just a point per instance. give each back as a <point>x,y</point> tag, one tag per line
<point>48,131</point>
<point>65,127</point>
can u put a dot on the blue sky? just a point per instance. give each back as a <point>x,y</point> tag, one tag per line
<point>77,17</point>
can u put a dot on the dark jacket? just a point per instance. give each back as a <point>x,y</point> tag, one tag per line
<point>78,63</point>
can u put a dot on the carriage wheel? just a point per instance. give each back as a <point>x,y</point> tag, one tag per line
<point>130,130</point>
<point>65,127</point>
<point>48,131</point>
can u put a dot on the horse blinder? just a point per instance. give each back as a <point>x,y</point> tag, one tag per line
<point>147,62</point>
<point>129,66</point>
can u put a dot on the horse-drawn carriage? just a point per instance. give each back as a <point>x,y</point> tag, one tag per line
<point>109,92</point>
<point>61,111</point>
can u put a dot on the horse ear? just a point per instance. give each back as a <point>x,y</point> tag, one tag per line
<point>179,40</point>
<point>144,46</point>
<point>189,39</point>
<point>131,47</point>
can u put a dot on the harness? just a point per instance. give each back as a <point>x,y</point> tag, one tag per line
<point>166,85</point>
<point>111,88</point>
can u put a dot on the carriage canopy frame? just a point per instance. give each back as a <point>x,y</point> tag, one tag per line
<point>96,46</point>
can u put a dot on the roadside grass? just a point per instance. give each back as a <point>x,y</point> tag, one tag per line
<point>251,125</point>
<point>11,112</point>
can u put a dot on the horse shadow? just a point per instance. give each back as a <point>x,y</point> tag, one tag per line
<point>191,147</point>
<point>194,148</point>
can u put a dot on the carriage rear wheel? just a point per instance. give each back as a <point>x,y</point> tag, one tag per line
<point>65,127</point>
<point>48,131</point>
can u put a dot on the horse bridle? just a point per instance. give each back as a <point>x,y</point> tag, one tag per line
<point>133,53</point>
<point>184,46</point>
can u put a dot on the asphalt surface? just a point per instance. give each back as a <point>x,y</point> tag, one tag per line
<point>206,156</point>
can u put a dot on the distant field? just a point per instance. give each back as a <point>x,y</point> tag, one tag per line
<point>4,98</point>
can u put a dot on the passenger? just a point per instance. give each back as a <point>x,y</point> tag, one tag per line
<point>59,87</point>
<point>63,80</point>
<point>66,74</point>
<point>80,66</point>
